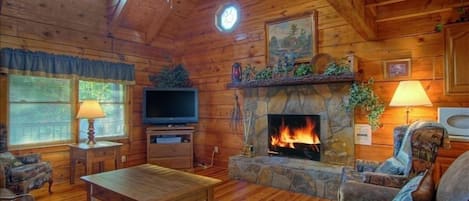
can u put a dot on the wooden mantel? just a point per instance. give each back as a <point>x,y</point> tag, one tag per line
<point>312,79</point>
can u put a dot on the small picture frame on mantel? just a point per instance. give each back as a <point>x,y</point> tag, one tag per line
<point>397,69</point>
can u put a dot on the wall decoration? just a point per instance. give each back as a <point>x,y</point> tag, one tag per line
<point>363,134</point>
<point>455,120</point>
<point>293,37</point>
<point>397,69</point>
<point>236,73</point>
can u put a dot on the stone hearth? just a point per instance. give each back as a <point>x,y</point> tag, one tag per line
<point>297,175</point>
<point>305,176</point>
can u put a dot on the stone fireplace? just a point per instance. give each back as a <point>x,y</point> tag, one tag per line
<point>333,125</point>
<point>325,100</point>
<point>294,136</point>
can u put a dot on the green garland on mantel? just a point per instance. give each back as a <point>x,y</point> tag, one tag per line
<point>363,97</point>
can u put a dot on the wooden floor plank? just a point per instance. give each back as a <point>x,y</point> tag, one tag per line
<point>228,190</point>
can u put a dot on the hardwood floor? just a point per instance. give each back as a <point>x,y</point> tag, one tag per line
<point>229,190</point>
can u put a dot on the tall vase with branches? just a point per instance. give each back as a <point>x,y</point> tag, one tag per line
<point>248,149</point>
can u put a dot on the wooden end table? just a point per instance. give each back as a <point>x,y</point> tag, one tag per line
<point>97,153</point>
<point>150,183</point>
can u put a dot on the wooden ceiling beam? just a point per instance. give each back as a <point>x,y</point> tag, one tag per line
<point>383,3</point>
<point>415,13</point>
<point>116,14</point>
<point>158,21</point>
<point>355,13</point>
<point>129,35</point>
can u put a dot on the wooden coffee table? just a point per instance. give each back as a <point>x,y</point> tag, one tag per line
<point>149,183</point>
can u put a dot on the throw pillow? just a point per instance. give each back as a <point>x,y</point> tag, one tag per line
<point>391,166</point>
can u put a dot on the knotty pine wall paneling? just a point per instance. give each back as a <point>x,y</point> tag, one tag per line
<point>209,54</point>
<point>84,38</point>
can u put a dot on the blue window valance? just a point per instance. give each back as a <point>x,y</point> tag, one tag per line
<point>25,62</point>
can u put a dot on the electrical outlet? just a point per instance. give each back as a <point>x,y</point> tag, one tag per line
<point>215,149</point>
<point>123,158</point>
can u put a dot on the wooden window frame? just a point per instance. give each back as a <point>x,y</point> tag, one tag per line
<point>75,135</point>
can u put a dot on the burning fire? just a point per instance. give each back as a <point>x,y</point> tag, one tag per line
<point>287,137</point>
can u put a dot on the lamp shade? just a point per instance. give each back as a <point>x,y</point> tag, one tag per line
<point>90,109</point>
<point>410,93</point>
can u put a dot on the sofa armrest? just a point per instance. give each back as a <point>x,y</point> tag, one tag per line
<point>352,190</point>
<point>30,158</point>
<point>382,179</point>
<point>350,174</point>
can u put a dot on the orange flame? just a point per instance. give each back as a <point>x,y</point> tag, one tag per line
<point>287,137</point>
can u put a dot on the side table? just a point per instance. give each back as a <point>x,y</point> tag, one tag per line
<point>97,153</point>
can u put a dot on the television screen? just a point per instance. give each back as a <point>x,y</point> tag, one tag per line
<point>170,105</point>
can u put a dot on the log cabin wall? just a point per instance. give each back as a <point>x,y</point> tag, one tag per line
<point>81,31</point>
<point>209,55</point>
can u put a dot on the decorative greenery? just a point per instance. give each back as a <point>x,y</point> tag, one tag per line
<point>463,13</point>
<point>248,73</point>
<point>286,68</point>
<point>362,95</point>
<point>337,67</point>
<point>176,76</point>
<point>303,69</point>
<point>439,27</point>
<point>264,74</point>
<point>463,16</point>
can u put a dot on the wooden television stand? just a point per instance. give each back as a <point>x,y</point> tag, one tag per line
<point>170,147</point>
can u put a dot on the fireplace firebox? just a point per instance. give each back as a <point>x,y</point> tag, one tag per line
<point>296,136</point>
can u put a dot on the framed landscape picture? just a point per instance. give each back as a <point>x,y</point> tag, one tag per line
<point>293,37</point>
<point>397,69</point>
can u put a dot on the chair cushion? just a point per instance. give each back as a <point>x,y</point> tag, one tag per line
<point>9,160</point>
<point>391,166</point>
<point>28,171</point>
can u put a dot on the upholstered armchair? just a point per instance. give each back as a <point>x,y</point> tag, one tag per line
<point>415,151</point>
<point>21,174</point>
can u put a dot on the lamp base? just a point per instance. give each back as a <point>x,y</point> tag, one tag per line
<point>407,111</point>
<point>91,140</point>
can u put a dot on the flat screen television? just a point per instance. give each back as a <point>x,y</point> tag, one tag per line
<point>170,105</point>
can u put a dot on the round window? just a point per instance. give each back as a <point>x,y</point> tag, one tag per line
<point>227,17</point>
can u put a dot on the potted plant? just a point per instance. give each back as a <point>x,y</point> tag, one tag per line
<point>363,97</point>
<point>171,77</point>
<point>335,68</point>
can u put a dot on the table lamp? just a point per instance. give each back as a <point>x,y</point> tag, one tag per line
<point>90,109</point>
<point>410,93</point>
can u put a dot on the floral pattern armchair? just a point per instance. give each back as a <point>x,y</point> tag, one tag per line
<point>21,174</point>
<point>415,151</point>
